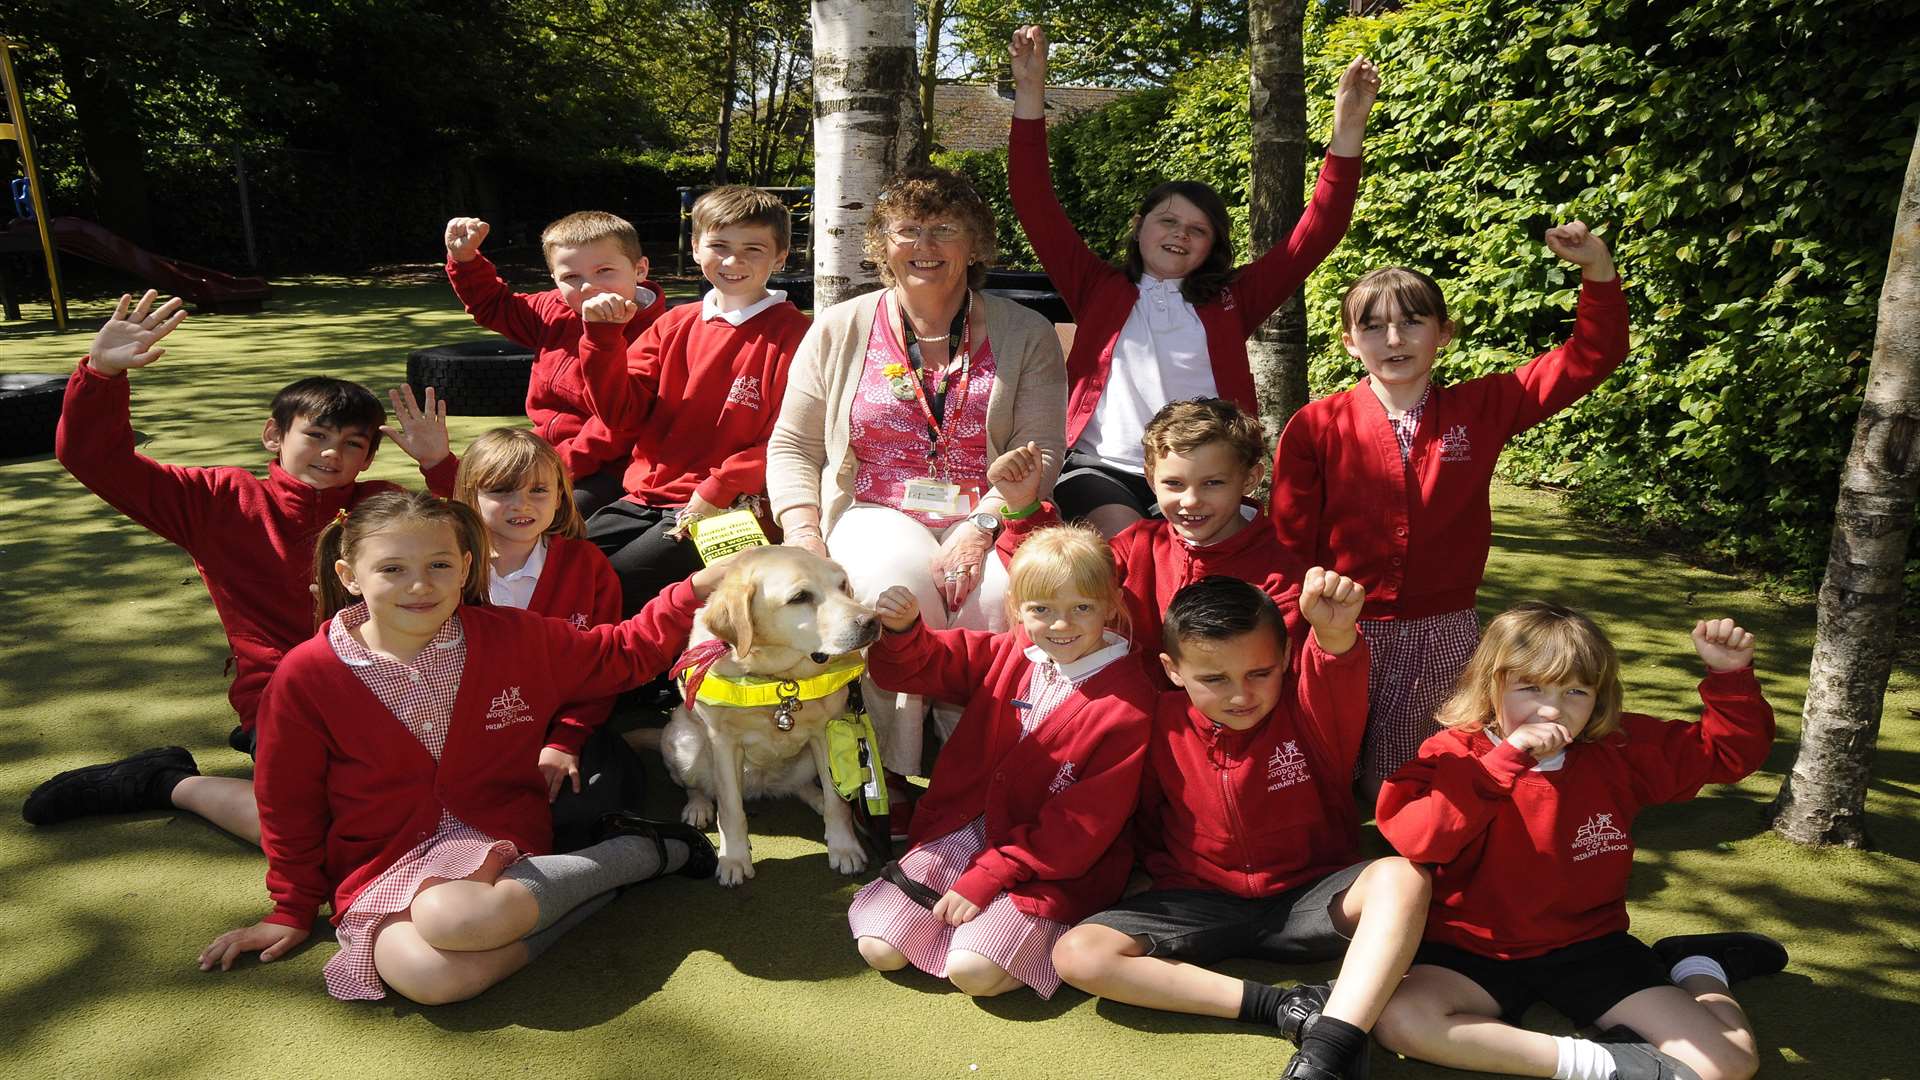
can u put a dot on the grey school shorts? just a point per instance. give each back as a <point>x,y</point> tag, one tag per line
<point>1205,926</point>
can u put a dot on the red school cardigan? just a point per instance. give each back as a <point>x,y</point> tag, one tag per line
<point>696,400</point>
<point>1056,802</point>
<point>1257,812</point>
<point>557,393</point>
<point>577,584</point>
<point>1101,297</point>
<point>1342,498</point>
<point>345,789</point>
<point>250,539</point>
<point>1528,862</point>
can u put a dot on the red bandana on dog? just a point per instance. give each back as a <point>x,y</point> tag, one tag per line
<point>694,664</point>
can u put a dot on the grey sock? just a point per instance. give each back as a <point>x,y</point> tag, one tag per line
<point>542,940</point>
<point>561,883</point>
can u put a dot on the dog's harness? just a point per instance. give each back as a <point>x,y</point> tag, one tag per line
<point>699,682</point>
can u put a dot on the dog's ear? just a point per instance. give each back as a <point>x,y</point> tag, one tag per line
<point>730,613</point>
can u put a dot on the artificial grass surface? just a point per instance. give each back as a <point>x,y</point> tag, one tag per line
<point>110,645</point>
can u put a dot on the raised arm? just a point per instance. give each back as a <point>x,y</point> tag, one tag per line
<point>1556,379</point>
<point>1674,759</point>
<point>94,439</point>
<point>1067,259</point>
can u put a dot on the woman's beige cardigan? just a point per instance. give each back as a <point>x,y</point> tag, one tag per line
<point>809,462</point>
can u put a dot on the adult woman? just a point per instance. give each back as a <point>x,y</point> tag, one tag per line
<point>896,403</point>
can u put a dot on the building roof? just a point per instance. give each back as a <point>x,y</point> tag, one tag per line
<point>975,116</point>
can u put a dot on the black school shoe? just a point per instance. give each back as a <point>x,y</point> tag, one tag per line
<point>1299,1007</point>
<point>1357,1069</point>
<point>142,782</point>
<point>1742,955</point>
<point>702,860</point>
<point>1636,1059</point>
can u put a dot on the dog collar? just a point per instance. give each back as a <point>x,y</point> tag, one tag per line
<point>757,690</point>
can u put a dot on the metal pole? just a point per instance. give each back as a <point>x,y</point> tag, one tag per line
<point>17,106</point>
<point>246,205</point>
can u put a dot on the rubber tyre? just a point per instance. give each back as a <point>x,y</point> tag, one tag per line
<point>474,378</point>
<point>29,413</point>
<point>1048,304</point>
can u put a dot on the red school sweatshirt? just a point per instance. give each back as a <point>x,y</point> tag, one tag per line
<point>1101,298</point>
<point>1056,802</point>
<point>1154,563</point>
<point>696,399</point>
<point>250,539</point>
<point>1342,498</point>
<point>557,392</point>
<point>1528,862</point>
<point>345,789</point>
<point>577,584</point>
<point>1257,812</point>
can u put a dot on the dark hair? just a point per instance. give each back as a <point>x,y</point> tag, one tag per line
<point>1181,427</point>
<point>1408,290</point>
<point>1215,272</point>
<point>343,535</point>
<point>922,191</point>
<point>1216,608</point>
<point>330,402</point>
<point>737,204</point>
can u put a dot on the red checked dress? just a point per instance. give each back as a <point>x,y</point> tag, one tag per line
<point>421,696</point>
<point>889,434</point>
<point>1019,943</point>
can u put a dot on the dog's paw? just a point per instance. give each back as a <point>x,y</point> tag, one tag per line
<point>698,811</point>
<point>850,859</point>
<point>733,870</point>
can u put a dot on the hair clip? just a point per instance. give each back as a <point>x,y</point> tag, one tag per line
<point>340,517</point>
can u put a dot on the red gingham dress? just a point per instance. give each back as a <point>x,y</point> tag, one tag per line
<point>1021,944</point>
<point>1414,662</point>
<point>420,696</point>
<point>889,436</point>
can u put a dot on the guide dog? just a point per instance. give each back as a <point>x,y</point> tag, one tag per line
<point>781,614</point>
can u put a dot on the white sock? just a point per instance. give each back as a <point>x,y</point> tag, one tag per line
<point>1698,965</point>
<point>1581,1059</point>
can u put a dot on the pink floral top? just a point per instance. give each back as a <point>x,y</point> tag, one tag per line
<point>889,435</point>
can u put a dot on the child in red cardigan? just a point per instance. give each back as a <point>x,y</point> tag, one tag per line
<point>537,561</point>
<point>1249,831</point>
<point>1387,482</point>
<point>1205,457</point>
<point>398,776</point>
<point>1524,808</point>
<point>1174,322</point>
<point>250,539</point>
<point>1020,831</point>
<point>590,253</point>
<point>696,396</point>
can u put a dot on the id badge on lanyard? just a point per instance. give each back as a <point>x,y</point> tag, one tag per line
<point>932,495</point>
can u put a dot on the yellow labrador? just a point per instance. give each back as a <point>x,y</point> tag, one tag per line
<point>787,614</point>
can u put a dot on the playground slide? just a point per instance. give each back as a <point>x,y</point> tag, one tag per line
<point>198,285</point>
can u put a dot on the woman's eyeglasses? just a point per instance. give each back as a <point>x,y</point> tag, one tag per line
<point>938,234</point>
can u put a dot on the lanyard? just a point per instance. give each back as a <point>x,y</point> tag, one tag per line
<point>934,413</point>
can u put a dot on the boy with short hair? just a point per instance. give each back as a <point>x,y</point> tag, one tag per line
<point>251,539</point>
<point>590,253</point>
<point>1250,834</point>
<point>1204,459</point>
<point>697,395</point>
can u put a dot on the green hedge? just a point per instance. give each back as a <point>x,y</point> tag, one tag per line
<point>1744,158</point>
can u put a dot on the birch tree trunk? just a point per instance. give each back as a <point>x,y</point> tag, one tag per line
<point>1277,106</point>
<point>1823,800</point>
<point>866,125</point>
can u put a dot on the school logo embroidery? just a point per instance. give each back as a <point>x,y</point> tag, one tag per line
<point>745,392</point>
<point>1063,779</point>
<point>1455,446</point>
<point>578,619</point>
<point>1287,766</point>
<point>1598,837</point>
<point>507,710</point>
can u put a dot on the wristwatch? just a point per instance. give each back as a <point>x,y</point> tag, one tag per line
<point>987,522</point>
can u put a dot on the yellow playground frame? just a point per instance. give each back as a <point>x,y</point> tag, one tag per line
<point>17,132</point>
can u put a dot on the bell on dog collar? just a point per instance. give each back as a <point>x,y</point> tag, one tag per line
<point>789,704</point>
